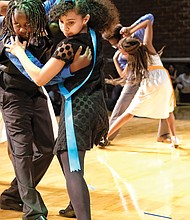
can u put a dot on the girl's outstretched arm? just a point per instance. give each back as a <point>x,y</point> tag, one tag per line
<point>119,122</point>
<point>125,31</point>
<point>43,75</point>
<point>40,76</point>
<point>148,35</point>
<point>117,65</point>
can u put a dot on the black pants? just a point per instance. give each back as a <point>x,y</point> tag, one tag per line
<point>28,124</point>
<point>184,97</point>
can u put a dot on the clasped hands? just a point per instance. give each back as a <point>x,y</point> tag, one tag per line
<point>125,31</point>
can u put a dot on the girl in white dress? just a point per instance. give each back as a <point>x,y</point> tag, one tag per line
<point>155,96</point>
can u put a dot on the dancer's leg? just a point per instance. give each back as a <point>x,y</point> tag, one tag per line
<point>77,187</point>
<point>127,94</point>
<point>163,134</point>
<point>171,123</point>
<point>121,120</point>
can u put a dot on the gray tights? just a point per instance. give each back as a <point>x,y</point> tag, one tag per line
<point>76,186</point>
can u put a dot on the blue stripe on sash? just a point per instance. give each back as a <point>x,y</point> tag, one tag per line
<point>70,132</point>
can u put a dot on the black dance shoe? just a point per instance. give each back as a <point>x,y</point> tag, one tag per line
<point>68,212</point>
<point>103,143</point>
<point>11,205</point>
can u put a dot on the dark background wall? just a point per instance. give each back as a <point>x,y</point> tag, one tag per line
<point>171,26</point>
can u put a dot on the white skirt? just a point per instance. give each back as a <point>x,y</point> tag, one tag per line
<point>155,96</point>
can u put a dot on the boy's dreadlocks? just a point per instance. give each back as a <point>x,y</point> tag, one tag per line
<point>35,14</point>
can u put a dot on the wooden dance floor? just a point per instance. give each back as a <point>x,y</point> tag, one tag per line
<point>136,178</point>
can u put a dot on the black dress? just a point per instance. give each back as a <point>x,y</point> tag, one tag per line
<point>89,110</point>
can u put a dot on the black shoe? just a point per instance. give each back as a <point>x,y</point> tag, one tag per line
<point>103,143</point>
<point>11,205</point>
<point>41,218</point>
<point>68,212</point>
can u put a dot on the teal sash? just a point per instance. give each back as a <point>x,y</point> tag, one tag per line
<point>70,132</point>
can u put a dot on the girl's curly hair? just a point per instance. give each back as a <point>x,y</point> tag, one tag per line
<point>103,13</point>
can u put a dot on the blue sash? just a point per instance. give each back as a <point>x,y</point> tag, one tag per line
<point>70,132</point>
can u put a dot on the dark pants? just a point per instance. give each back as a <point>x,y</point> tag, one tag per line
<point>28,124</point>
<point>111,101</point>
<point>184,97</point>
